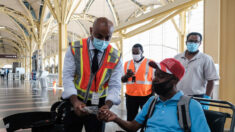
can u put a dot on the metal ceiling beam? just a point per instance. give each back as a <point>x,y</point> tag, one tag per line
<point>10,48</point>
<point>41,21</point>
<point>85,17</point>
<point>31,20</point>
<point>43,34</point>
<point>153,24</point>
<point>50,33</point>
<point>71,12</point>
<point>57,9</point>
<point>139,12</point>
<point>26,38</point>
<point>19,39</point>
<point>23,26</point>
<point>46,31</point>
<point>36,14</point>
<point>163,2</point>
<point>12,32</point>
<point>61,10</point>
<point>83,28</point>
<point>27,10</point>
<point>70,34</point>
<point>13,14</point>
<point>7,9</point>
<point>175,25</point>
<point>87,7</point>
<point>11,43</point>
<point>64,8</point>
<point>137,4</point>
<point>178,4</point>
<point>51,9</point>
<point>17,16</point>
<point>113,10</point>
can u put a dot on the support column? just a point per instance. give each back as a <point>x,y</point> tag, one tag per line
<point>62,44</point>
<point>227,50</point>
<point>182,34</point>
<point>54,60</point>
<point>121,49</point>
<point>212,28</point>
<point>211,37</point>
<point>227,54</point>
<point>30,55</point>
<point>25,63</point>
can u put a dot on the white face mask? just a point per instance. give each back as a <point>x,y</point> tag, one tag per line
<point>136,57</point>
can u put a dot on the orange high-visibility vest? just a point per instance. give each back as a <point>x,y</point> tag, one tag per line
<point>84,78</point>
<point>143,84</point>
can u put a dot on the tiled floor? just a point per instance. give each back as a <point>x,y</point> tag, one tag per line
<point>22,96</point>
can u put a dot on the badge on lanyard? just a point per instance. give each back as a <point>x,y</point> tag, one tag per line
<point>95,98</point>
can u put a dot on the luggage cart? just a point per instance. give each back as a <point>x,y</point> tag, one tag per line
<point>216,119</point>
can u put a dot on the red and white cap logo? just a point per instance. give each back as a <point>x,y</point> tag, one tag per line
<point>170,66</point>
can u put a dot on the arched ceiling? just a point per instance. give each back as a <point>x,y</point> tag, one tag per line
<point>22,20</point>
<point>118,11</point>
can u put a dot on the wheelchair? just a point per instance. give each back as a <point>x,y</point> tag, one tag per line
<point>52,121</point>
<point>216,119</point>
<point>48,121</point>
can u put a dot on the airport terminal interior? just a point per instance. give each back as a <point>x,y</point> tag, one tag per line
<point>35,35</point>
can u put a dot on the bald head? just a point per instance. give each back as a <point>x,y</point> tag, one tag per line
<point>102,29</point>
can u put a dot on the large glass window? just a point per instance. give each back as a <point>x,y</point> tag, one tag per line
<point>163,41</point>
<point>158,43</point>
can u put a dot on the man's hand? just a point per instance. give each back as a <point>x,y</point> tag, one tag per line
<point>205,107</point>
<point>107,106</point>
<point>107,115</point>
<point>79,109</point>
<point>129,73</point>
<point>78,106</point>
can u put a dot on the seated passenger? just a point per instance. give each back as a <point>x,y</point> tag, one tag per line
<point>164,117</point>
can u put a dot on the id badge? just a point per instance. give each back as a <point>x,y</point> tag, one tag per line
<point>95,98</point>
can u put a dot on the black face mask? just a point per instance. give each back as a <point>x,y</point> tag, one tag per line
<point>162,88</point>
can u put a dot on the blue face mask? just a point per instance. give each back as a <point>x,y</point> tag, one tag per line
<point>100,44</point>
<point>192,47</point>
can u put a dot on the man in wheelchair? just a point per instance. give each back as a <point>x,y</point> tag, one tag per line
<point>169,111</point>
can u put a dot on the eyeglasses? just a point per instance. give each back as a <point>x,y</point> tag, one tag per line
<point>194,41</point>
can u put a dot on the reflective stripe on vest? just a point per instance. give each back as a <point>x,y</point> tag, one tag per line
<point>84,79</point>
<point>143,83</point>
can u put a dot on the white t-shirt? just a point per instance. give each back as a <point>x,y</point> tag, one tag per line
<point>198,71</point>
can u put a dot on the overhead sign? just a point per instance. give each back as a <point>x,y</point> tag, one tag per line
<point>9,56</point>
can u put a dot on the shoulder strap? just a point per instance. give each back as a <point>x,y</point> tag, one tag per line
<point>149,114</point>
<point>183,113</point>
<point>77,58</point>
<point>115,56</point>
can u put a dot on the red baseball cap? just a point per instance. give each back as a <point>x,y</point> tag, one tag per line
<point>170,66</point>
